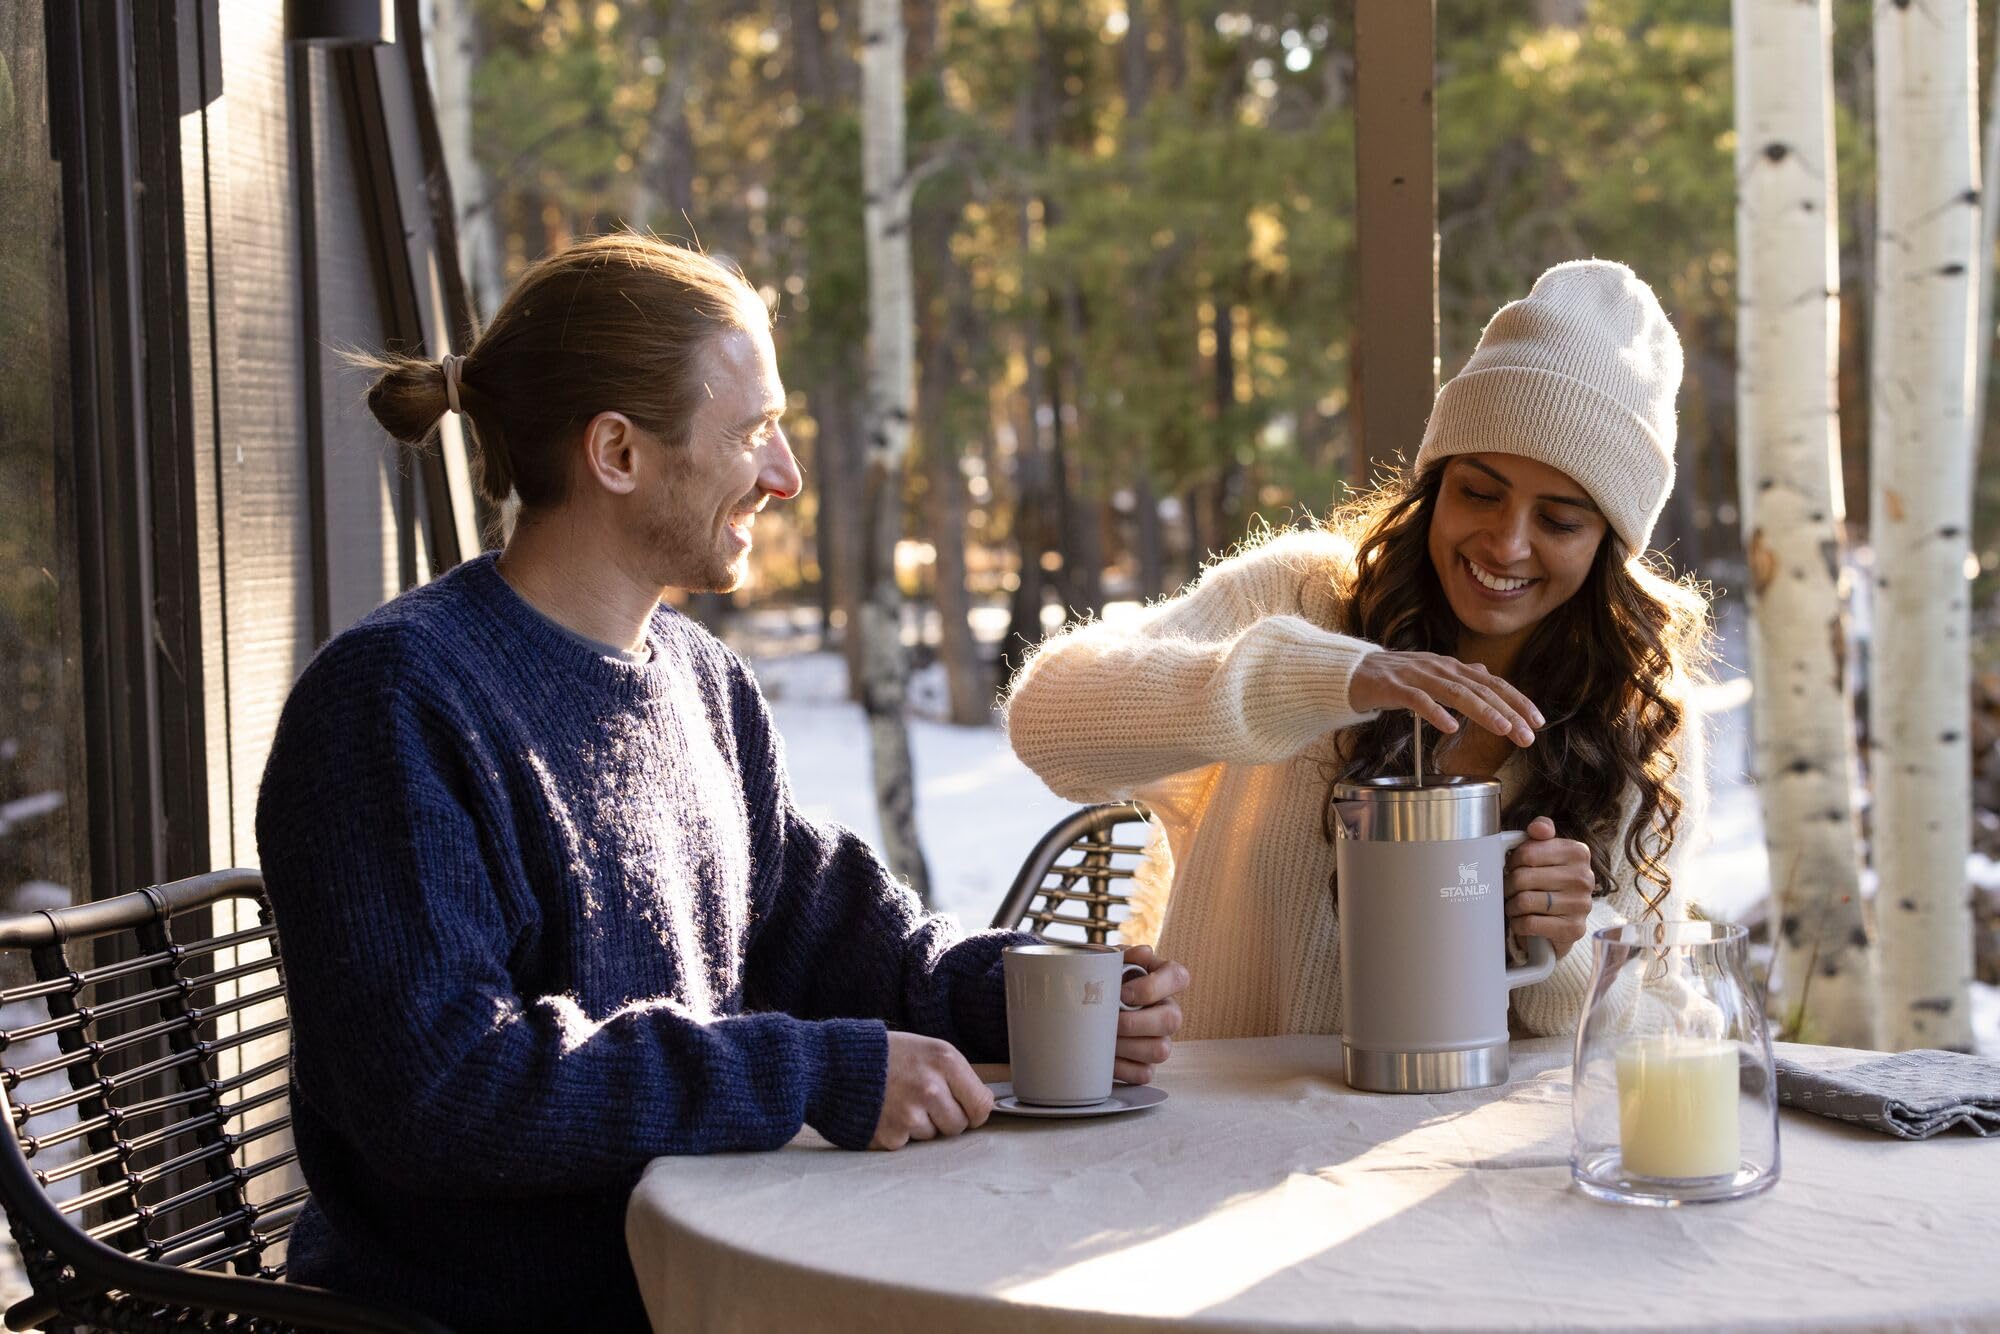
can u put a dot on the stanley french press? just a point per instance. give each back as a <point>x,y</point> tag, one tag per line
<point>1424,975</point>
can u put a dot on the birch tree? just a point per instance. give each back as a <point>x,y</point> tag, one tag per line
<point>887,188</point>
<point>455,51</point>
<point>1788,462</point>
<point>1920,489</point>
<point>1989,232</point>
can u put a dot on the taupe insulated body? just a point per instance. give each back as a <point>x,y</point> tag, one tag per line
<point>1423,968</point>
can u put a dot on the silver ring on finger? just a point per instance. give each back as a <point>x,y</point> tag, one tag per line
<point>1549,908</point>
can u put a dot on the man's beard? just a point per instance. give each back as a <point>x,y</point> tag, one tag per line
<point>689,560</point>
<point>730,575</point>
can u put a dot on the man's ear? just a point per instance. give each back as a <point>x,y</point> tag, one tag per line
<point>611,452</point>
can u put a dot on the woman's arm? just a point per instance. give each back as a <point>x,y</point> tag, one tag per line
<point>1232,670</point>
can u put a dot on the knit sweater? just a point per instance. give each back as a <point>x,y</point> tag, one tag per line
<point>1221,710</point>
<point>547,915</point>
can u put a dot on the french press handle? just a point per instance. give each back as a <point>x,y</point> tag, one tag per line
<point>1541,954</point>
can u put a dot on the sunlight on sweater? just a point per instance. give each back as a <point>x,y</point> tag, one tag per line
<point>572,1023</point>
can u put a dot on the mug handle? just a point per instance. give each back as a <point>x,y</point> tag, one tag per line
<point>1541,954</point>
<point>1125,975</point>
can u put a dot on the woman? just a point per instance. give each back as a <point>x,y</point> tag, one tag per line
<point>1504,581</point>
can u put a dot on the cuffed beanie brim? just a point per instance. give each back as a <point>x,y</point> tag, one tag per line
<point>1603,447</point>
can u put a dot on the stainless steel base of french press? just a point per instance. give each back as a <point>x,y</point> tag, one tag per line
<point>1425,1071</point>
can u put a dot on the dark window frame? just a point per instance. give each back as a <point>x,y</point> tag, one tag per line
<point>115,98</point>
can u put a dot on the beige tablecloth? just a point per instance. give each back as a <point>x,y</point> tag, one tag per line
<point>1265,1193</point>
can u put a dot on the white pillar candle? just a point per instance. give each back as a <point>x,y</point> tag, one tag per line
<point>1677,1107</point>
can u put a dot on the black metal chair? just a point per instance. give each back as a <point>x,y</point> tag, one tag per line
<point>1077,880</point>
<point>147,1086</point>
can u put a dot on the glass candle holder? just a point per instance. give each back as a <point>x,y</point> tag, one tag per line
<point>1674,1098</point>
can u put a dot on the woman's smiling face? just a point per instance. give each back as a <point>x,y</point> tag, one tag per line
<point>1511,540</point>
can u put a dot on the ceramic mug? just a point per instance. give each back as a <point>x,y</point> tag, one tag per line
<point>1062,1020</point>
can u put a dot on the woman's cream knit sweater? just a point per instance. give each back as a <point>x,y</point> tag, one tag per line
<point>1218,709</point>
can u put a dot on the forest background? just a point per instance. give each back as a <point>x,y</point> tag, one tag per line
<point>1135,263</point>
<point>1134,246</point>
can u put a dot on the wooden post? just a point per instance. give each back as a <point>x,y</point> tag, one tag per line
<point>1395,170</point>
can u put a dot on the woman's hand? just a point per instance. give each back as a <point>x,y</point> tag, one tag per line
<point>1146,1035</point>
<point>1549,884</point>
<point>1429,683</point>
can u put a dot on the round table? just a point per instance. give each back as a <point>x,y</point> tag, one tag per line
<point>1264,1193</point>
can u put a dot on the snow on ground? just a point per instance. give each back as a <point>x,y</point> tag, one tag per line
<point>979,809</point>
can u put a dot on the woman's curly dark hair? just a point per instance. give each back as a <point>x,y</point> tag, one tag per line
<point>1609,670</point>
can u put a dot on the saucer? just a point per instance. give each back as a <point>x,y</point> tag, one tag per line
<point>1124,1098</point>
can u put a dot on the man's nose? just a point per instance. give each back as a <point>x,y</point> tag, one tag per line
<point>779,478</point>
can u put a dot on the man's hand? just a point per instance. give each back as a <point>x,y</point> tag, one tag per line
<point>931,1091</point>
<point>1146,1036</point>
<point>1549,884</point>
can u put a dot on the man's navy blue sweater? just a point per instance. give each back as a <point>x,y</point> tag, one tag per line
<point>547,915</point>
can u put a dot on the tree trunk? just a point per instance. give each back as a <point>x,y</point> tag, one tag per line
<point>1174,48</point>
<point>1989,231</point>
<point>1024,619</point>
<point>1201,538</point>
<point>1921,489</point>
<point>663,187</point>
<point>808,45</point>
<point>844,81</point>
<point>967,680</point>
<point>1221,524</point>
<point>944,328</point>
<point>1137,76</point>
<point>455,48</point>
<point>1033,504</point>
<point>1225,499</point>
<point>1062,496</point>
<point>1083,539</point>
<point>839,531</point>
<point>1034,497</point>
<point>886,190</point>
<point>1135,71</point>
<point>920,37</point>
<point>1152,556</point>
<point>1078,567</point>
<point>1560,13</point>
<point>1788,432</point>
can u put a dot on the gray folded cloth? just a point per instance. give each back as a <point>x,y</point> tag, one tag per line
<point>1912,1095</point>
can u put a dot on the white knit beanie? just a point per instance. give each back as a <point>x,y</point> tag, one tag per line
<point>1581,375</point>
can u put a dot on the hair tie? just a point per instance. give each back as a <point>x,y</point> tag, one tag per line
<point>451,362</point>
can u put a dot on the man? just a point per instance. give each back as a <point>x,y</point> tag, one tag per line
<point>548,907</point>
